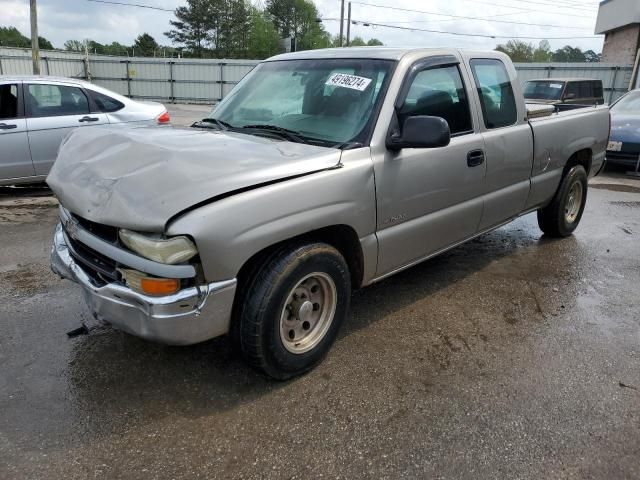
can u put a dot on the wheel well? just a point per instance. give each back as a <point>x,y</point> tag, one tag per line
<point>581,157</point>
<point>342,237</point>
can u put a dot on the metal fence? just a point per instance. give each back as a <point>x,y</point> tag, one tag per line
<point>175,80</point>
<point>208,81</point>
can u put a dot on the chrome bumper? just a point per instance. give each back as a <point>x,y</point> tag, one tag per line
<point>189,316</point>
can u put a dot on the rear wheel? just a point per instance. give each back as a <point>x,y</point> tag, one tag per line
<point>293,308</point>
<point>562,216</point>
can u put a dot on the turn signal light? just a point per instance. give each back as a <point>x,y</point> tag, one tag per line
<point>159,286</point>
<point>141,283</point>
<point>163,118</point>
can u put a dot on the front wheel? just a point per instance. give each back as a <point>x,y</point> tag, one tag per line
<point>293,308</point>
<point>562,216</point>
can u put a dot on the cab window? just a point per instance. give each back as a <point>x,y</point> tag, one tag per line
<point>8,101</point>
<point>55,100</point>
<point>439,92</point>
<point>105,103</point>
<point>497,99</point>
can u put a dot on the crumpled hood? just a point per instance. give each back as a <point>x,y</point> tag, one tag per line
<point>139,178</point>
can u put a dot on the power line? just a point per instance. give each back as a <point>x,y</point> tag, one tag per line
<point>132,5</point>
<point>413,29</point>
<point>529,2</point>
<point>460,16</point>
<point>493,4</point>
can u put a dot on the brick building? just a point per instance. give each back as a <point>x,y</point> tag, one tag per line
<point>619,21</point>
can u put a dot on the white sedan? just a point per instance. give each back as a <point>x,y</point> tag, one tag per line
<point>37,112</point>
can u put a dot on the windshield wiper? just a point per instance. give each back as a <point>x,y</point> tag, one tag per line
<point>222,125</point>
<point>284,132</point>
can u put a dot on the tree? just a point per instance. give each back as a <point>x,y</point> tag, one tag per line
<point>115,48</point>
<point>12,37</point>
<point>264,40</point>
<point>569,54</point>
<point>543,52</point>
<point>359,42</point>
<point>44,44</point>
<point>299,19</point>
<point>74,46</point>
<point>191,29</point>
<point>591,56</point>
<point>145,45</point>
<point>517,50</point>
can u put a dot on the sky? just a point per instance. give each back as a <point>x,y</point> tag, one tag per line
<point>61,20</point>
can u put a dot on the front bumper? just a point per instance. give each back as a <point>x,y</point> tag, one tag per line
<point>189,316</point>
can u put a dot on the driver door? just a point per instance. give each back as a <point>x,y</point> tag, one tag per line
<point>430,198</point>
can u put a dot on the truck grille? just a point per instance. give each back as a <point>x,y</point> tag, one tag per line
<point>100,268</point>
<point>105,232</point>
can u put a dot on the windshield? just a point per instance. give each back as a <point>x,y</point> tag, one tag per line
<point>543,90</point>
<point>630,103</point>
<point>329,100</point>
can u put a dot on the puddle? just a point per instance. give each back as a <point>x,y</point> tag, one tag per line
<point>614,187</point>
<point>626,204</point>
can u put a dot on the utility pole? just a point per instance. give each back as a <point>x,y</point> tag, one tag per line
<point>35,48</point>
<point>341,24</point>
<point>349,26</point>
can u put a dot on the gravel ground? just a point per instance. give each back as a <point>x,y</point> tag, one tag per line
<point>513,356</point>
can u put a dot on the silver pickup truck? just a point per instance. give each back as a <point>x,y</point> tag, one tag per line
<point>322,172</point>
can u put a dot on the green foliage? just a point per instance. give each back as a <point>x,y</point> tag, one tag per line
<point>192,25</point>
<point>44,44</point>
<point>520,51</point>
<point>299,19</point>
<point>145,45</point>
<point>74,46</point>
<point>359,42</point>
<point>12,37</point>
<point>263,37</point>
<point>517,50</point>
<point>568,54</point>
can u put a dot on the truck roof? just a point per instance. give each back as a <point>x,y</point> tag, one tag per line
<point>564,79</point>
<point>376,53</point>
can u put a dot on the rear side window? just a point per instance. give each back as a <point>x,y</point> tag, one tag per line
<point>573,90</point>
<point>585,89</point>
<point>105,103</point>
<point>8,101</point>
<point>597,89</point>
<point>497,99</point>
<point>55,100</point>
<point>439,92</point>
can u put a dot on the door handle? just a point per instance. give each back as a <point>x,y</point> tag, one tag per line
<point>5,126</point>
<point>89,119</point>
<point>475,158</point>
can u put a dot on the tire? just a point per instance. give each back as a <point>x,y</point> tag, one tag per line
<point>292,309</point>
<point>562,216</point>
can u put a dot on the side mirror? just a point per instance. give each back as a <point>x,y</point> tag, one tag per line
<point>421,131</point>
<point>570,96</point>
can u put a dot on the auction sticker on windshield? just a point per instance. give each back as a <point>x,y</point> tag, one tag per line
<point>556,85</point>
<point>348,81</point>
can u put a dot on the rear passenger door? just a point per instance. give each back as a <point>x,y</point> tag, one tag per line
<point>53,110</point>
<point>15,158</point>
<point>430,198</point>
<point>508,141</point>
